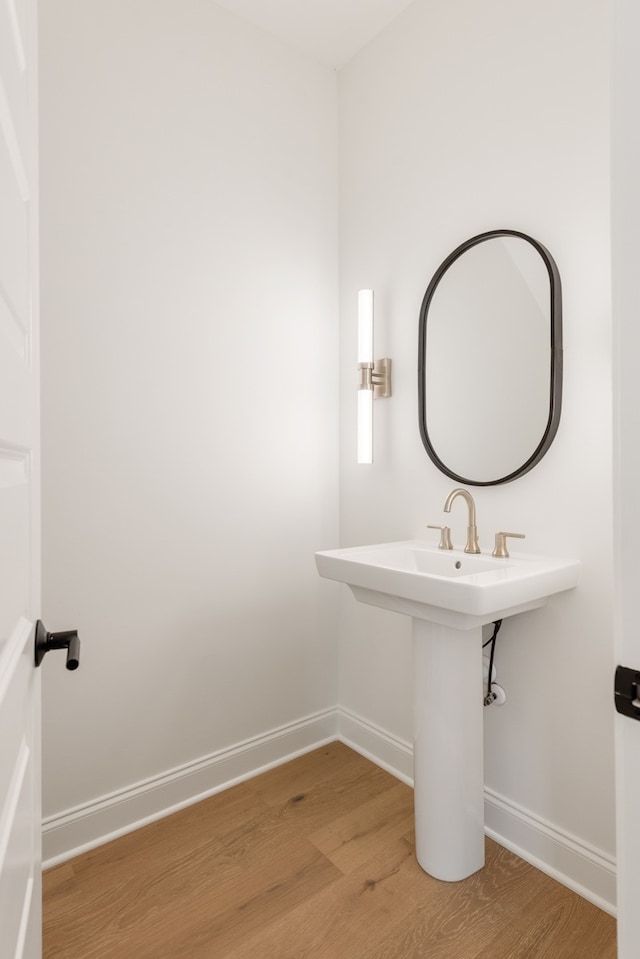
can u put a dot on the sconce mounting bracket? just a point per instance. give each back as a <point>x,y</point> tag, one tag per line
<point>377,377</point>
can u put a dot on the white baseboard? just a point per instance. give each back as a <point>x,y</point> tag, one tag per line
<point>393,754</point>
<point>575,864</point>
<point>583,868</point>
<point>91,824</point>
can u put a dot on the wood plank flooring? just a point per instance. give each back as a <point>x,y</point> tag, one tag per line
<point>312,860</point>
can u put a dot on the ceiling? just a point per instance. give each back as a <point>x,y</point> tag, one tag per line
<point>330,31</point>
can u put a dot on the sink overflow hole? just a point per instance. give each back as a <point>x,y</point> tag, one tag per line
<point>458,564</point>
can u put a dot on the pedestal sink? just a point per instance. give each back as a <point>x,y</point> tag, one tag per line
<point>449,595</point>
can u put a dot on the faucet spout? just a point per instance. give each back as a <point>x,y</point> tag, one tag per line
<point>472,531</point>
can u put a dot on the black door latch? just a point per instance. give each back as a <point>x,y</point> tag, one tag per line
<point>46,641</point>
<point>627,691</point>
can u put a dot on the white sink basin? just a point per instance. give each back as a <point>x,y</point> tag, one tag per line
<point>449,587</point>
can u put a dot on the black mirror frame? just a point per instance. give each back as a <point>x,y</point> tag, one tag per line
<point>555,389</point>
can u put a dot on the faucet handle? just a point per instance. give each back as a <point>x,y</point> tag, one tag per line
<point>445,536</point>
<point>500,548</point>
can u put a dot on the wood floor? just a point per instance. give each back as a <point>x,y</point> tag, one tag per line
<point>312,860</point>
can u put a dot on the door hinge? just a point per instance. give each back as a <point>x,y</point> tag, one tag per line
<point>627,691</point>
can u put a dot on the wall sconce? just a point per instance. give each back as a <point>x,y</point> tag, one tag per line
<point>374,378</point>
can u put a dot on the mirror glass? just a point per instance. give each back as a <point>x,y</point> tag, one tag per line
<point>490,359</point>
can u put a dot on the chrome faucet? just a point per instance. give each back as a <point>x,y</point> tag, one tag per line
<point>472,531</point>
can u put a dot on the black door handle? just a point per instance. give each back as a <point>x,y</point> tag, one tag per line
<point>68,640</point>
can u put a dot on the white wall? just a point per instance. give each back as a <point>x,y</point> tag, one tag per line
<point>464,117</point>
<point>190,390</point>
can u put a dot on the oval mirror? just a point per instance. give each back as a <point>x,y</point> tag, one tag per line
<point>490,359</point>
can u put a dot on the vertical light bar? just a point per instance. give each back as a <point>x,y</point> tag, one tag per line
<point>365,385</point>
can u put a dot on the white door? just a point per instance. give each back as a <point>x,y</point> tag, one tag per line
<point>626,318</point>
<point>20,806</point>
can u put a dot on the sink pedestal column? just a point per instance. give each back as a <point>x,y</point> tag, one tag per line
<point>448,757</point>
